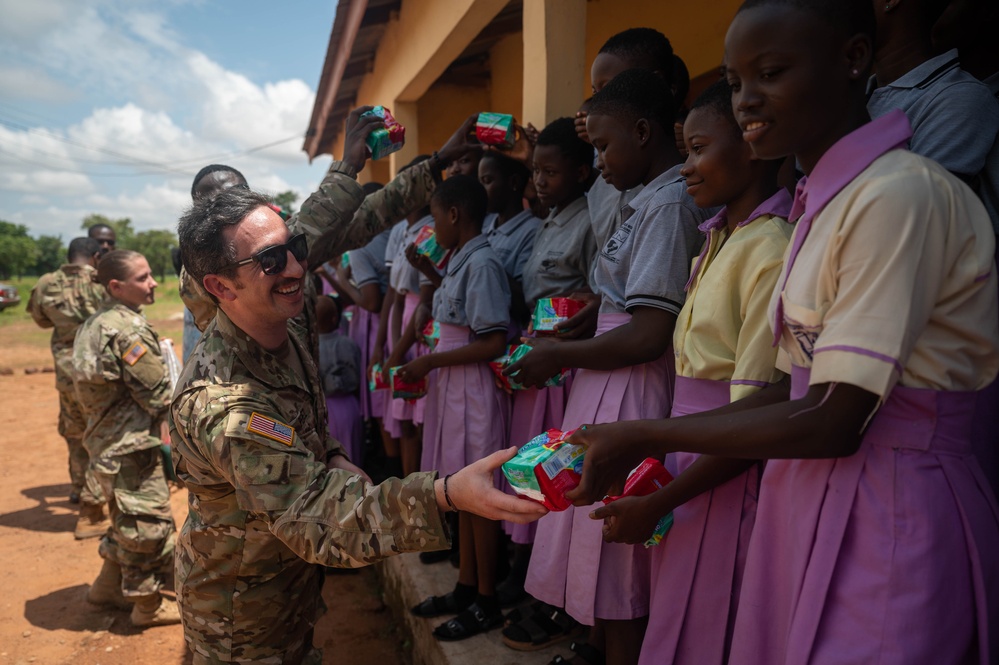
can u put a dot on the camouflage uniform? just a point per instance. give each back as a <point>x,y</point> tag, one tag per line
<point>124,391</point>
<point>62,300</point>
<point>251,443</point>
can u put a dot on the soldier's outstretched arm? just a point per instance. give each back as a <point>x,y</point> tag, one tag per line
<point>410,190</point>
<point>339,196</point>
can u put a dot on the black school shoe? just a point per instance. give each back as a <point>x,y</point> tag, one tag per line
<point>472,621</point>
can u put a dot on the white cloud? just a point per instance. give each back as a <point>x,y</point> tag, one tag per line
<point>32,83</point>
<point>25,22</point>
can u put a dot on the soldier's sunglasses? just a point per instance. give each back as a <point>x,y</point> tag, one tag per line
<point>273,260</point>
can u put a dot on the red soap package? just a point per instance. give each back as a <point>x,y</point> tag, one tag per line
<point>549,312</point>
<point>646,478</point>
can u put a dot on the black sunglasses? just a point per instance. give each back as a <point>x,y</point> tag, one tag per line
<point>273,260</point>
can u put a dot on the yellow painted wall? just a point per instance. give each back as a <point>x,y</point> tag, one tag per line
<point>696,30</point>
<point>426,30</point>
<point>442,110</point>
<point>506,59</point>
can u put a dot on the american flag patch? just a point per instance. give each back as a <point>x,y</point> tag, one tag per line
<point>270,428</point>
<point>133,354</point>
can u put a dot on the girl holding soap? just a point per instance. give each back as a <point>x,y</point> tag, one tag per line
<point>467,416</point>
<point>558,265</point>
<point>625,371</point>
<point>724,352</point>
<point>876,535</point>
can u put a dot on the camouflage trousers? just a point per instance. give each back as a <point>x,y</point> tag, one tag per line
<point>72,424</point>
<point>301,654</point>
<point>142,534</point>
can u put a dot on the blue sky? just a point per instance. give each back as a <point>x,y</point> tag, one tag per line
<point>112,106</point>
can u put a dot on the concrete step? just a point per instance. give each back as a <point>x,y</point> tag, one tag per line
<point>406,582</point>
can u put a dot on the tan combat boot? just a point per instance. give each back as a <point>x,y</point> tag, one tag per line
<point>106,589</point>
<point>92,523</point>
<point>154,610</point>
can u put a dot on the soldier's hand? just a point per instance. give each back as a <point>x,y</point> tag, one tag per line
<point>460,142</point>
<point>355,150</point>
<point>473,491</point>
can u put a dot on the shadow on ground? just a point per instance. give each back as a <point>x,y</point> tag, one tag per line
<point>54,513</point>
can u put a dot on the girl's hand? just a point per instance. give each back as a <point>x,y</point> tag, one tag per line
<point>462,141</point>
<point>537,366</point>
<point>582,324</point>
<point>628,520</point>
<point>394,360</point>
<point>612,451</point>
<point>420,262</point>
<point>421,316</point>
<point>580,123</point>
<point>415,370</point>
<point>343,274</point>
<point>472,490</point>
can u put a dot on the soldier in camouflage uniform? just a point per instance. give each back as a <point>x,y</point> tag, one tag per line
<point>409,190</point>
<point>62,300</point>
<point>273,499</point>
<point>124,391</point>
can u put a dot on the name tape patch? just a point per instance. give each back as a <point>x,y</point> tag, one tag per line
<point>270,428</point>
<point>133,354</point>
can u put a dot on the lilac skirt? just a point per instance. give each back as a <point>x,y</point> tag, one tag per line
<point>404,409</point>
<point>571,565</point>
<point>345,425</point>
<point>890,555</point>
<point>467,416</point>
<point>697,569</point>
<point>364,331</point>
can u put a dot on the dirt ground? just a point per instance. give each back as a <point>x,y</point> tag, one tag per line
<point>45,573</point>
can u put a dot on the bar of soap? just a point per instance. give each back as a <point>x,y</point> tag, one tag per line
<point>388,139</point>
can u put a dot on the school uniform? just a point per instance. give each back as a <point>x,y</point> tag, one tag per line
<point>724,352</point>
<point>643,264</point>
<point>559,264</point>
<point>513,242</point>
<point>340,372</point>
<point>890,555</point>
<point>605,204</point>
<point>367,266</point>
<point>406,281</point>
<point>467,416</point>
<point>953,116</point>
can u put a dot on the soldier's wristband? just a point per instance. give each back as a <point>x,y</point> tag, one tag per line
<point>447,498</point>
<point>344,168</point>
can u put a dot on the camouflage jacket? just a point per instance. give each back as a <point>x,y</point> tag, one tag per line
<point>63,300</point>
<point>322,218</point>
<point>121,381</point>
<point>250,441</point>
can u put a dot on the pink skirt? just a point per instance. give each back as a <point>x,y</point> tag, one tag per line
<point>392,426</point>
<point>404,409</point>
<point>571,565</point>
<point>890,555</point>
<point>697,569</point>
<point>345,425</point>
<point>467,416</point>
<point>364,332</point>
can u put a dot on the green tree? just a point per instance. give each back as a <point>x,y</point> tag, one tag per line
<point>155,245</point>
<point>51,254</point>
<point>18,251</point>
<point>124,233</point>
<point>286,200</point>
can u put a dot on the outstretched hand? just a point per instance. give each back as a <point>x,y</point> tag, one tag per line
<point>611,453</point>
<point>355,150</point>
<point>460,142</point>
<point>628,520</point>
<point>473,491</point>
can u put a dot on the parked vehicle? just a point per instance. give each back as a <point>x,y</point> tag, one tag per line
<point>8,296</point>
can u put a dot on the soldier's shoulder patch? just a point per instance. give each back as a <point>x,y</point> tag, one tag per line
<point>270,428</point>
<point>133,354</point>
